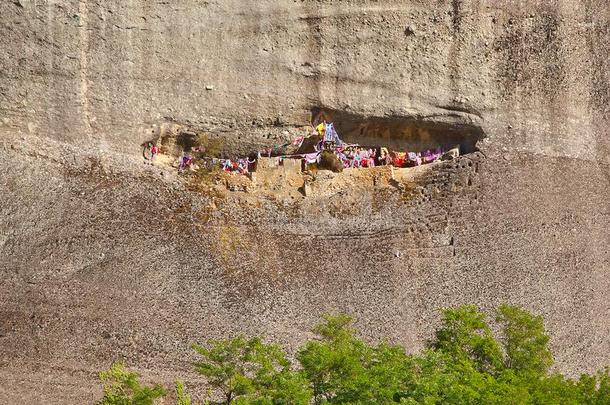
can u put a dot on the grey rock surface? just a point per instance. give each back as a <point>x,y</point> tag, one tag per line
<point>103,257</point>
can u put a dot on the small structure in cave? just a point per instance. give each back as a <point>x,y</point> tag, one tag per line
<point>335,141</point>
<point>313,152</point>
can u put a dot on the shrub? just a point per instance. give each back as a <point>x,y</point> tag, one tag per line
<point>330,161</point>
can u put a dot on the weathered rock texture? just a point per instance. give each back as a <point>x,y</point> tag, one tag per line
<point>103,257</point>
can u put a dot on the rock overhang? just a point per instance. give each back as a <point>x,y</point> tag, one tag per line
<point>414,131</point>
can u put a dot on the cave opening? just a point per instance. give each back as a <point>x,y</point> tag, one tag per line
<point>401,133</point>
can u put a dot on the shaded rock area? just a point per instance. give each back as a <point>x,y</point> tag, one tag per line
<point>103,257</point>
<point>414,133</point>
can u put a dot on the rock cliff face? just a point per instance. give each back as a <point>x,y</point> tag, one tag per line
<point>103,257</point>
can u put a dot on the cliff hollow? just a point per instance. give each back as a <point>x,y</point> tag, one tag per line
<point>103,257</point>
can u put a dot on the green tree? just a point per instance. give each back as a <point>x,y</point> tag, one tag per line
<point>506,388</point>
<point>553,389</point>
<point>594,389</point>
<point>250,371</point>
<point>124,388</point>
<point>464,335</point>
<point>287,388</point>
<point>182,397</point>
<point>341,368</point>
<point>442,378</point>
<point>464,364</point>
<point>525,341</point>
<point>391,373</point>
<point>334,364</point>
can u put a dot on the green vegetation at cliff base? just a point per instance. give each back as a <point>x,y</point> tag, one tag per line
<point>464,364</point>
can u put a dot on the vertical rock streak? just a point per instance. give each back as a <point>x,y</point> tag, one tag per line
<point>83,36</point>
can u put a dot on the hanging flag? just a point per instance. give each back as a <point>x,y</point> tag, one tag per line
<point>330,134</point>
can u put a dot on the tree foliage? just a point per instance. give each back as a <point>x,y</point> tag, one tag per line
<point>249,371</point>
<point>467,339</point>
<point>182,397</point>
<point>122,387</point>
<point>463,364</point>
<point>525,341</point>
